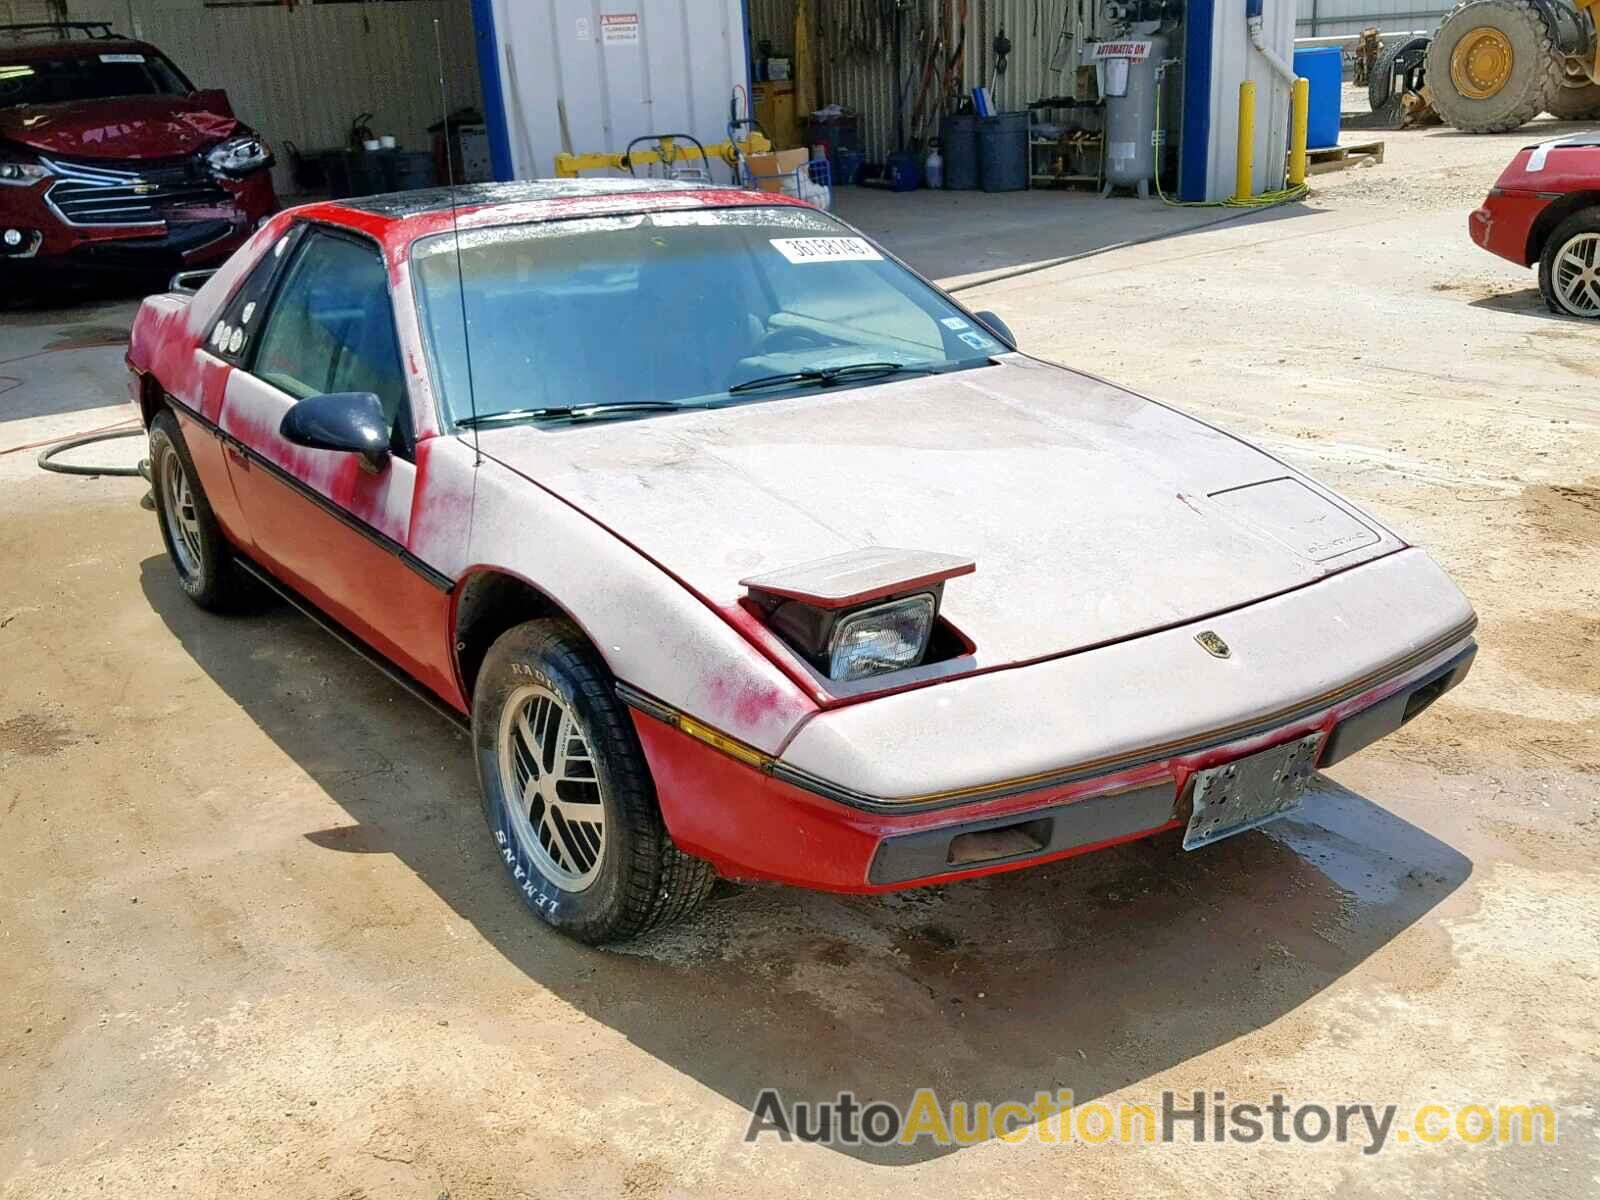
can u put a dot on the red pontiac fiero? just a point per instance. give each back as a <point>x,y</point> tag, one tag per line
<point>1544,212</point>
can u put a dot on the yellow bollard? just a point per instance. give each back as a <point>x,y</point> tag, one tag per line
<point>1245,168</point>
<point>1299,111</point>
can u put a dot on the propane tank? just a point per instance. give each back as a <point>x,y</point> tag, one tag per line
<point>933,168</point>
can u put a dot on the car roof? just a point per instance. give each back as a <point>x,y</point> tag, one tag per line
<point>483,195</point>
<point>399,218</point>
<point>31,50</point>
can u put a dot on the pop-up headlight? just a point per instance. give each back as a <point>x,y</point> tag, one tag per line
<point>884,637</point>
<point>858,614</point>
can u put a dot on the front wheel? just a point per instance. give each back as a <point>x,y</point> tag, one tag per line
<point>567,793</point>
<point>195,542</point>
<point>1492,66</point>
<point>1569,268</point>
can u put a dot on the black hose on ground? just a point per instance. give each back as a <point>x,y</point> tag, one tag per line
<point>47,455</point>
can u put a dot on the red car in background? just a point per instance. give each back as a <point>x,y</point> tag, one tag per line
<point>1545,209</point>
<point>111,158</point>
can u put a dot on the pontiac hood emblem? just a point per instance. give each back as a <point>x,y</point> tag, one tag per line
<point>1213,644</point>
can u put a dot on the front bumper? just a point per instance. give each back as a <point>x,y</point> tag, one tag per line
<point>752,825</point>
<point>184,237</point>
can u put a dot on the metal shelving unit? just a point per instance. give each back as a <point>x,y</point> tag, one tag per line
<point>1069,157</point>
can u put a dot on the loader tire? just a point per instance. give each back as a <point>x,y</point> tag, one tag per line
<point>1493,67</point>
<point>1380,83</point>
<point>1580,103</point>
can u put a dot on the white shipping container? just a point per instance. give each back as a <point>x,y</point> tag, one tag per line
<point>619,69</point>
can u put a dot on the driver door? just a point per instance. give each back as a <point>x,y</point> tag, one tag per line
<point>324,522</point>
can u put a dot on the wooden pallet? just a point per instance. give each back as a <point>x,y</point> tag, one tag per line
<point>1337,158</point>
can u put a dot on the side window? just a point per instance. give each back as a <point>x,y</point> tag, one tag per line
<point>331,329</point>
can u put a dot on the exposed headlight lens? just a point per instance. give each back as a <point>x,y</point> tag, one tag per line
<point>886,637</point>
<point>238,155</point>
<point>23,174</point>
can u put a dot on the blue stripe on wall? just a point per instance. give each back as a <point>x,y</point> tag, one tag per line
<point>1192,161</point>
<point>494,104</point>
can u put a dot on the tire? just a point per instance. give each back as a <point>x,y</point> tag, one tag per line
<point>1534,73</point>
<point>1581,103</point>
<point>1380,84</point>
<point>546,718</point>
<point>1572,249</point>
<point>195,543</point>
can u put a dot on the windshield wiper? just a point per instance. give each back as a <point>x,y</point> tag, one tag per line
<point>570,412</point>
<point>826,376</point>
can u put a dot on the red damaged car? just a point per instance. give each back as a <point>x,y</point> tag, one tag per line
<point>110,158</point>
<point>1544,210</point>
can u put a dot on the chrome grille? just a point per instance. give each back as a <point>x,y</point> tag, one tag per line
<point>146,194</point>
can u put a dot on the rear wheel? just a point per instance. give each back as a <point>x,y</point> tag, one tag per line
<point>1569,268</point>
<point>195,542</point>
<point>1492,66</point>
<point>1576,102</point>
<point>567,793</point>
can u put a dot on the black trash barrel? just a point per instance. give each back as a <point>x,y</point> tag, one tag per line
<point>959,140</point>
<point>1003,151</point>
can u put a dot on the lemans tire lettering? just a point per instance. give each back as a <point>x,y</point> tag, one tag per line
<point>525,876</point>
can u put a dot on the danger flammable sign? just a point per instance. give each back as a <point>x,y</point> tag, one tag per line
<point>616,28</point>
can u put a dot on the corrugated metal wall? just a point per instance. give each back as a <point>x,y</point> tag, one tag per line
<point>862,77</point>
<point>19,12</point>
<point>302,73</point>
<point>1325,18</point>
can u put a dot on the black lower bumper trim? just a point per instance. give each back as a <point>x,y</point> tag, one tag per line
<point>1361,729</point>
<point>1019,837</point>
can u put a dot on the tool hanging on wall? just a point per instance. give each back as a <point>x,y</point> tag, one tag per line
<point>955,65</point>
<point>1002,51</point>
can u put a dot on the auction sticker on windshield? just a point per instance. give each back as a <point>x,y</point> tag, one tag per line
<point>826,249</point>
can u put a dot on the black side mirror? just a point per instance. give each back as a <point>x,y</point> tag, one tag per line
<point>999,328</point>
<point>352,422</point>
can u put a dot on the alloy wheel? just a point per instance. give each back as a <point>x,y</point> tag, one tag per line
<point>183,522</point>
<point>1577,275</point>
<point>553,792</point>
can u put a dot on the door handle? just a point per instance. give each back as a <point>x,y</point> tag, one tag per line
<point>237,454</point>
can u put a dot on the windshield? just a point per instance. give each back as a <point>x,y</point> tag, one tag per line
<point>88,77</point>
<point>674,309</point>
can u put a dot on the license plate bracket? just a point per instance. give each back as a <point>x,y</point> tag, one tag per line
<point>1248,792</point>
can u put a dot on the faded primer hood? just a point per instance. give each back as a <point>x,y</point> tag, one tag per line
<point>1093,514</point>
<point>131,127</point>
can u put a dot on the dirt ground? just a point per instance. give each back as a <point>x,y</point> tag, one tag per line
<point>253,939</point>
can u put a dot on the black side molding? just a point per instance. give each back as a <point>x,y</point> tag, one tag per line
<point>1361,729</point>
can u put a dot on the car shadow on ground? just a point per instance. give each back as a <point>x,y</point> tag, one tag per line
<point>1090,974</point>
<point>1529,302</point>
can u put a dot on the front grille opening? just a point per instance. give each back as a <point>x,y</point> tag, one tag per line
<point>1005,841</point>
<point>132,193</point>
<point>1424,696</point>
